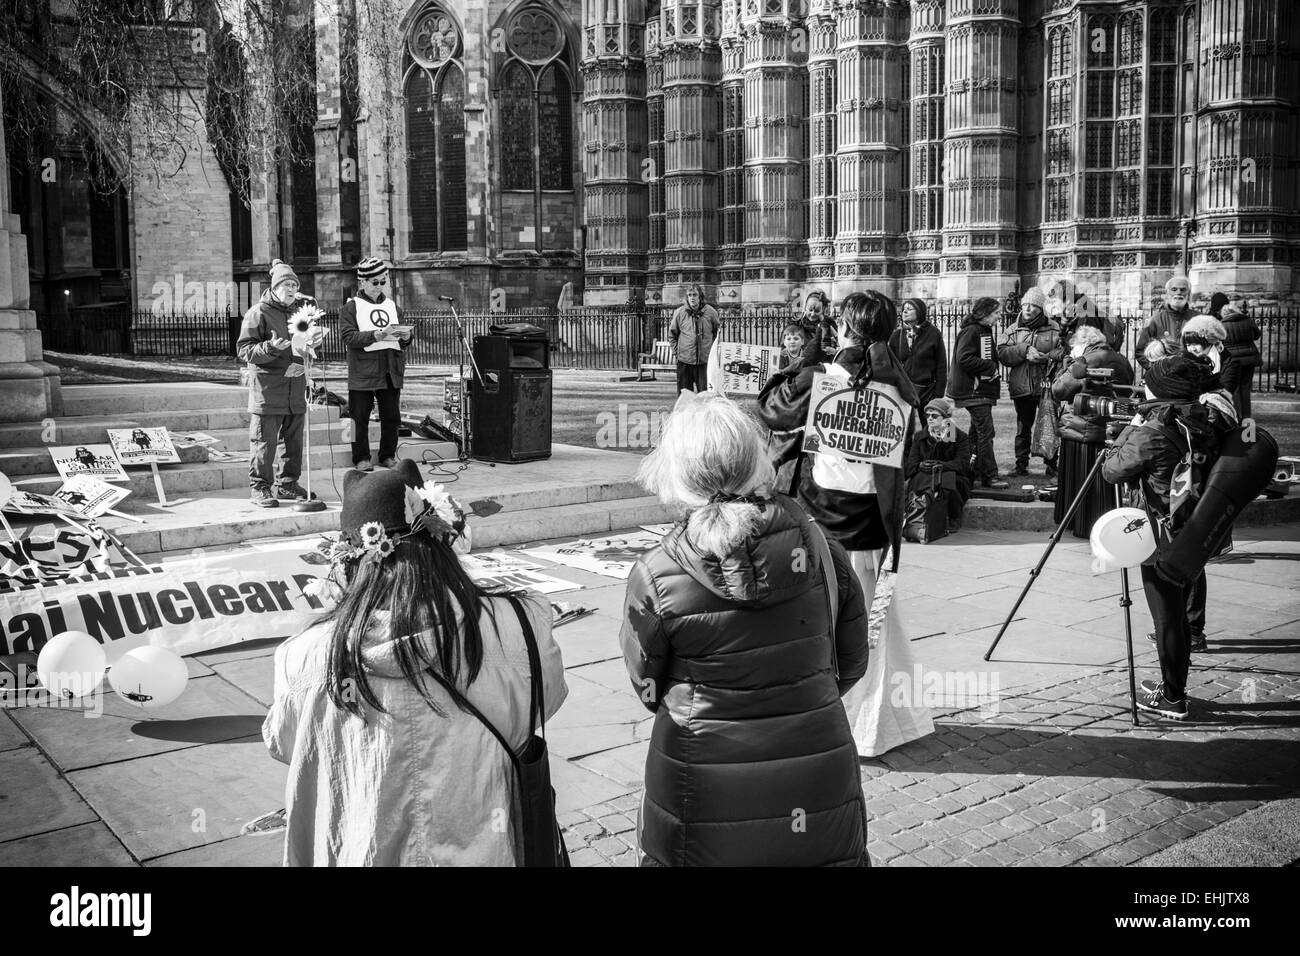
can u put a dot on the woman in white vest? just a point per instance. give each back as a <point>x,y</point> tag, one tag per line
<point>861,503</point>
<point>375,338</point>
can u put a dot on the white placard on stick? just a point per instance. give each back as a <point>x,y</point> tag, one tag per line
<point>94,461</point>
<point>142,446</point>
<point>736,368</point>
<point>90,497</point>
<point>865,423</point>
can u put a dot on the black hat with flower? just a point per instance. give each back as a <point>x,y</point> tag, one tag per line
<point>381,508</point>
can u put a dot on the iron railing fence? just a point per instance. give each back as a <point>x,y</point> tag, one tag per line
<point>583,338</point>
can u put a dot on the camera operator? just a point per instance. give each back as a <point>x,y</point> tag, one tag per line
<point>1165,455</point>
<point>1083,438</point>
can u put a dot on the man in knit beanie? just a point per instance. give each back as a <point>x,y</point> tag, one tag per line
<point>277,393</point>
<point>375,338</point>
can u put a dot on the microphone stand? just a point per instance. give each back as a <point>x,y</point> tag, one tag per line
<point>463,335</point>
<point>311,504</point>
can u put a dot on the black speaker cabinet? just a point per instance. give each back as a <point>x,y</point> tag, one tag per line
<point>510,409</point>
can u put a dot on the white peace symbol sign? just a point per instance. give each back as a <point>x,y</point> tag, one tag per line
<point>379,318</point>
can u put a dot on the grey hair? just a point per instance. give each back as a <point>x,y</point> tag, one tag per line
<point>710,446</point>
<point>1086,335</point>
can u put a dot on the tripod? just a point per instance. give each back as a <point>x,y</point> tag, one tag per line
<point>1125,599</point>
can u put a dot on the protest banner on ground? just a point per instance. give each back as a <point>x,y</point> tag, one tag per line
<point>528,580</point>
<point>142,446</point>
<point>736,368</point>
<point>492,562</point>
<point>90,497</point>
<point>185,606</point>
<point>31,560</point>
<point>612,557</point>
<point>97,461</point>
<point>866,423</point>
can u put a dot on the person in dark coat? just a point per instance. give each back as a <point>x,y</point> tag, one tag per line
<point>1166,324</point>
<point>376,363</point>
<point>976,383</point>
<point>1029,349</point>
<point>277,394</point>
<point>859,521</point>
<point>1241,334</point>
<point>732,640</point>
<point>944,446</point>
<point>1083,439</point>
<point>1217,302</point>
<point>919,346</point>
<point>1153,454</point>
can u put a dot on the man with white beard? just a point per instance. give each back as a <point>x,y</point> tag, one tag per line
<point>1167,322</point>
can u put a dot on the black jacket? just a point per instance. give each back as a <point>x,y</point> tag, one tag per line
<point>1165,324</point>
<point>1071,381</point>
<point>858,522</point>
<point>370,371</point>
<point>1240,343</point>
<point>954,456</point>
<point>734,656</point>
<point>924,358</point>
<point>976,374</point>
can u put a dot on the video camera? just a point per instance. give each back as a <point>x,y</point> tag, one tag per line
<point>1102,399</point>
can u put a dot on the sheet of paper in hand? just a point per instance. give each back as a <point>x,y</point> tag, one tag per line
<point>95,461</point>
<point>142,446</point>
<point>864,423</point>
<point>90,497</point>
<point>739,369</point>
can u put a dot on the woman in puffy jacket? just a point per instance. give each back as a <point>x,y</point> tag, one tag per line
<point>743,627</point>
<point>1084,438</point>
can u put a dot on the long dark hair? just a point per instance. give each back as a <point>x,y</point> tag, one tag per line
<point>421,585</point>
<point>868,317</point>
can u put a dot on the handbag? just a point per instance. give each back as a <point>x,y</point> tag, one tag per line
<point>926,518</point>
<point>1043,438</point>
<point>543,843</point>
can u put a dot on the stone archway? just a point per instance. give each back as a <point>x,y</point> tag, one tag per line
<point>29,386</point>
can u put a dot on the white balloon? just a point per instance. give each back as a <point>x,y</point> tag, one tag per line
<point>149,677</point>
<point>71,665</point>
<point>1122,538</point>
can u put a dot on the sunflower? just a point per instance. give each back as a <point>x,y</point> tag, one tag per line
<point>385,547</point>
<point>372,532</point>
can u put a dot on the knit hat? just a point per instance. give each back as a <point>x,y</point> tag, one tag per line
<point>1180,378</point>
<point>371,268</point>
<point>944,406</point>
<point>1034,297</point>
<point>1207,327</point>
<point>280,271</point>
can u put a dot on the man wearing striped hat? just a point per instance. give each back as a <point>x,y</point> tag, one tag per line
<point>375,338</point>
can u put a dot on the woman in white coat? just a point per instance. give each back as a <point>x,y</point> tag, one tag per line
<point>384,769</point>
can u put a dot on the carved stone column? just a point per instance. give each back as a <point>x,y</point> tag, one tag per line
<point>614,153</point>
<point>979,255</point>
<point>872,37</point>
<point>823,118</point>
<point>29,386</point>
<point>925,163</point>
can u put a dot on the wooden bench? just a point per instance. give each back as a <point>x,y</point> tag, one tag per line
<point>662,359</point>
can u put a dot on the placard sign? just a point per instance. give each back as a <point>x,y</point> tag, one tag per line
<point>740,369</point>
<point>142,446</point>
<point>90,497</point>
<point>97,461</point>
<point>863,423</point>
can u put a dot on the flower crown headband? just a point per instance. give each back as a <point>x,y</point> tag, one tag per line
<point>429,510</point>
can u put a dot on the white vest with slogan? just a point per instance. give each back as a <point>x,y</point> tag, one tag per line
<point>372,317</point>
<point>839,474</point>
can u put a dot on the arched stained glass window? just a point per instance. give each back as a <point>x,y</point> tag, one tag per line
<point>535,103</point>
<point>435,135</point>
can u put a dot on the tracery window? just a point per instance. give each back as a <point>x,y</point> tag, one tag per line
<point>434,89</point>
<point>535,103</point>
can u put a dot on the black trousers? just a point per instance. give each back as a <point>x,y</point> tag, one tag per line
<point>390,417</point>
<point>692,378</point>
<point>1168,604</point>
<point>1026,412</point>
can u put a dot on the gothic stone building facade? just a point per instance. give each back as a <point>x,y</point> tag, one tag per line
<point>497,150</point>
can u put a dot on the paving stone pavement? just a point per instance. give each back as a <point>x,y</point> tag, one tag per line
<point>1044,769</point>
